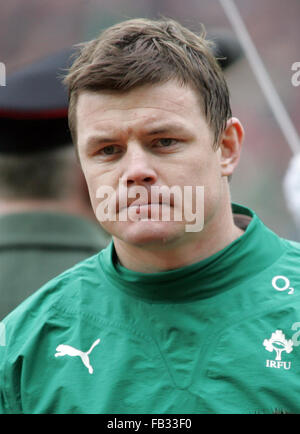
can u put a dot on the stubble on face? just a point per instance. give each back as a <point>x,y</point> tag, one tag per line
<point>124,121</point>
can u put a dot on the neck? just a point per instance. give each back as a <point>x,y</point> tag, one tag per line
<point>218,232</point>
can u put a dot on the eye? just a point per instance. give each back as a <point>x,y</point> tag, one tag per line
<point>109,150</point>
<point>164,143</point>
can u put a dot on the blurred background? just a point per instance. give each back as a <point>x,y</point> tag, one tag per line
<point>32,29</point>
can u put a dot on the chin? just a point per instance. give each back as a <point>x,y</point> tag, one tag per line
<point>147,233</point>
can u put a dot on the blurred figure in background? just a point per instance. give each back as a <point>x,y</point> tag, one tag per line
<point>46,221</point>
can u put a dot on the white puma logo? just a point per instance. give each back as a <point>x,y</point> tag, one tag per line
<point>67,350</point>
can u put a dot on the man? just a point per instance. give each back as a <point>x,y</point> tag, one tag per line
<point>167,319</point>
<point>46,222</point>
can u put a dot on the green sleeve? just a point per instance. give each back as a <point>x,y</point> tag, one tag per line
<point>4,408</point>
<point>9,404</point>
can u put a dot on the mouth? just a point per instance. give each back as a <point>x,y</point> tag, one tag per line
<point>154,211</point>
<point>142,201</point>
<point>147,208</point>
<point>142,205</point>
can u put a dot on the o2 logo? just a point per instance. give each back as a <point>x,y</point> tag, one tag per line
<point>282,283</point>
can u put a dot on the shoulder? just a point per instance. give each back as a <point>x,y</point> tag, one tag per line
<point>31,314</point>
<point>42,318</point>
<point>293,246</point>
<point>52,315</point>
<point>292,251</point>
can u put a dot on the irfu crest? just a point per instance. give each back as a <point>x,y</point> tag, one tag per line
<point>278,343</point>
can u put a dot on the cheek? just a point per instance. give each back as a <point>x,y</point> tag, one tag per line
<point>102,193</point>
<point>94,181</point>
<point>201,171</point>
<point>205,172</point>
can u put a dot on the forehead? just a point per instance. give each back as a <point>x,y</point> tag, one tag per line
<point>138,107</point>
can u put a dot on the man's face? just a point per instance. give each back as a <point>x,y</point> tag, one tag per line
<point>151,136</point>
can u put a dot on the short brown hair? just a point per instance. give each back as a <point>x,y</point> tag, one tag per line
<point>140,51</point>
<point>44,175</point>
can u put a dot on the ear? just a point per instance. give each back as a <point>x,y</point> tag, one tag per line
<point>230,146</point>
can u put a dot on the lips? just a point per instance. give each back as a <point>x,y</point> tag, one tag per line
<point>136,204</point>
<point>123,202</point>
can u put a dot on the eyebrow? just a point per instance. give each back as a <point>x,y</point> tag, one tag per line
<point>167,128</point>
<point>171,128</point>
<point>98,139</point>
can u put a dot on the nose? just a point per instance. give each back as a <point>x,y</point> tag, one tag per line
<point>139,169</point>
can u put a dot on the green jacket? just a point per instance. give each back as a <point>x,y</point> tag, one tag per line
<point>37,246</point>
<point>218,336</point>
